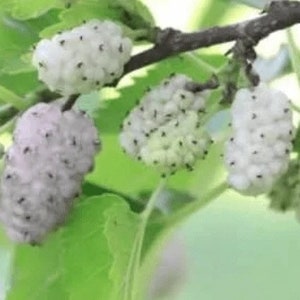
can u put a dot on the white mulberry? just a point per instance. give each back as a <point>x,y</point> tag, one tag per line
<point>83,59</point>
<point>257,154</point>
<point>165,129</point>
<point>44,169</point>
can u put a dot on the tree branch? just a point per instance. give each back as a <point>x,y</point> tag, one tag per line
<point>170,42</point>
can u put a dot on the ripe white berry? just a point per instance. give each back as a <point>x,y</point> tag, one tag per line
<point>257,154</point>
<point>44,169</point>
<point>165,129</point>
<point>83,59</point>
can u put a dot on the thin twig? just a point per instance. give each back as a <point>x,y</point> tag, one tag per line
<point>170,42</point>
<point>70,102</point>
<point>195,87</point>
<point>192,207</point>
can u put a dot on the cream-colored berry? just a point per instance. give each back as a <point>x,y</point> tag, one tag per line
<point>165,130</point>
<point>44,169</point>
<point>257,154</point>
<point>82,59</point>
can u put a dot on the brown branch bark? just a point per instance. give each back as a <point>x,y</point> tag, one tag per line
<point>169,42</point>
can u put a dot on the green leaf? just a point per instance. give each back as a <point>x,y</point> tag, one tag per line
<point>80,11</point>
<point>37,272</point>
<point>296,144</point>
<point>7,112</point>
<point>97,245</point>
<point>111,163</point>
<point>128,13</point>
<point>27,82</point>
<point>28,9</point>
<point>210,11</point>
<point>84,260</point>
<point>89,189</point>
<point>169,200</point>
<point>5,5</point>
<point>89,103</point>
<point>137,14</point>
<point>120,230</point>
<point>294,53</point>
<point>86,256</point>
<point>17,39</point>
<point>254,3</point>
<point>6,255</point>
<point>10,97</point>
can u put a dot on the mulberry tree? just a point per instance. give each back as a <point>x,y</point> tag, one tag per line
<point>108,122</point>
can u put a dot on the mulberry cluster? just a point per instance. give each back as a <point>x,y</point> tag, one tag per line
<point>44,169</point>
<point>83,59</point>
<point>165,130</point>
<point>258,152</point>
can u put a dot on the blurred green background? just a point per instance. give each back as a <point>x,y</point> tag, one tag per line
<point>236,248</point>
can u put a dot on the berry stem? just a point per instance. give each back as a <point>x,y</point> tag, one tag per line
<point>141,34</point>
<point>70,102</point>
<point>170,222</point>
<point>180,215</point>
<point>132,278</point>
